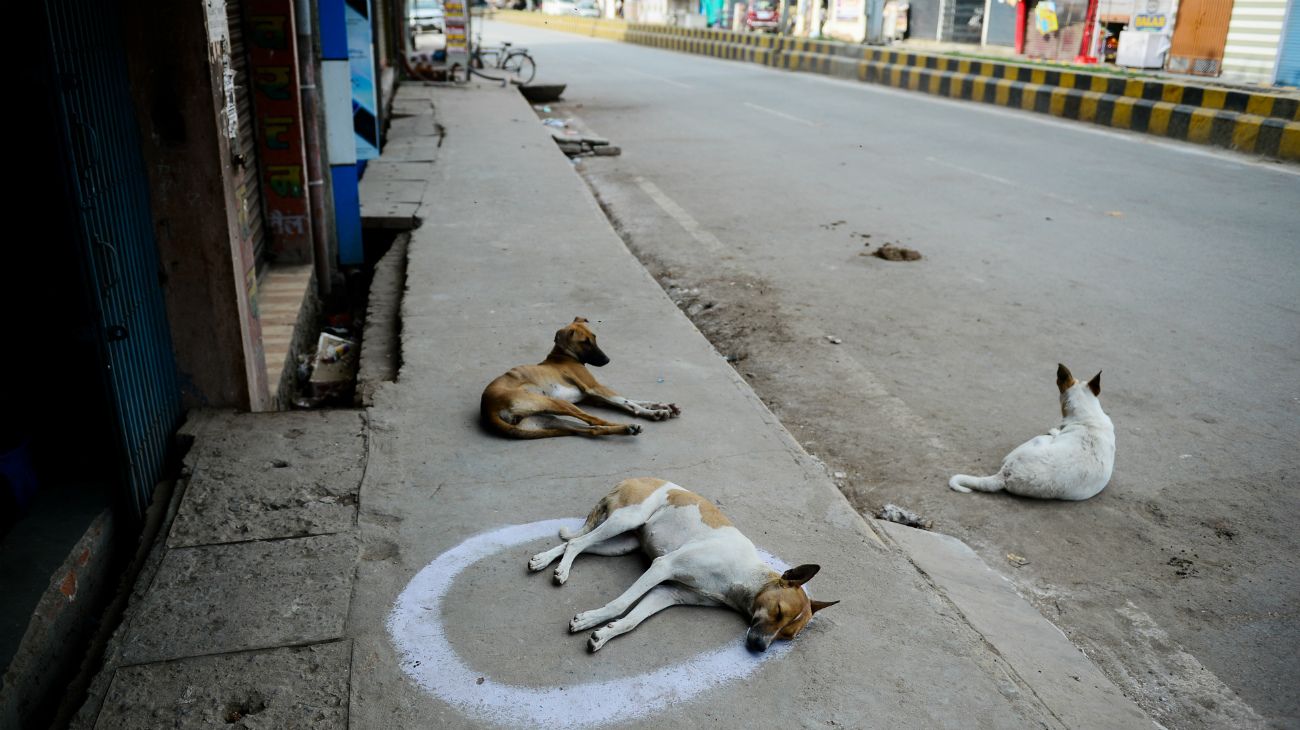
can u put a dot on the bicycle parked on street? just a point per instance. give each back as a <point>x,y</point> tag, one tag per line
<point>519,67</point>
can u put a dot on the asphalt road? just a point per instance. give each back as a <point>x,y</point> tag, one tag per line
<point>752,194</point>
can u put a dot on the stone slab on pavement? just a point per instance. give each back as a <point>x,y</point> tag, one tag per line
<point>248,595</point>
<point>294,688</point>
<point>418,125</point>
<point>385,169</point>
<point>413,149</point>
<point>379,192</point>
<point>261,476</point>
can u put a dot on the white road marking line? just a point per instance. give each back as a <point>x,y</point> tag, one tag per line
<point>677,213</point>
<point>660,78</point>
<point>970,171</point>
<point>783,115</point>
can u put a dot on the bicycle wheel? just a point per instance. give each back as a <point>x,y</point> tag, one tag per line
<point>520,65</point>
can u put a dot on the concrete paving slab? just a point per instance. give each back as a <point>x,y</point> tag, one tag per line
<point>274,475</point>
<point>379,191</point>
<point>412,149</point>
<point>383,169</point>
<point>385,214</point>
<point>417,125</point>
<point>250,595</point>
<point>895,653</point>
<point>295,687</point>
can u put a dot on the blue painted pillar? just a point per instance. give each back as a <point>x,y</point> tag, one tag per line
<point>340,135</point>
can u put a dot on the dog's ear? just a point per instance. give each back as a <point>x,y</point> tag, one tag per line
<point>579,320</point>
<point>1095,384</point>
<point>800,574</point>
<point>1064,380</point>
<point>819,605</point>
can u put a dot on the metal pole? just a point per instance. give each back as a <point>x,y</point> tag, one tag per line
<point>323,243</point>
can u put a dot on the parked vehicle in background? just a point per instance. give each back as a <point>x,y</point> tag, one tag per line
<point>424,16</point>
<point>764,15</point>
<point>559,7</point>
<point>587,9</point>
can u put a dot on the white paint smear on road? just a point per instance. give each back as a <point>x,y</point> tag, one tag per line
<point>427,656</point>
<point>970,171</point>
<point>679,214</point>
<point>780,114</point>
<point>664,79</point>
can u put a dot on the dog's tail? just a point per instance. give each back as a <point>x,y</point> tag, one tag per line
<point>594,518</point>
<point>966,483</point>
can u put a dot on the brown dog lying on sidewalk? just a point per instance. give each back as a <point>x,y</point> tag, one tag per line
<point>529,402</point>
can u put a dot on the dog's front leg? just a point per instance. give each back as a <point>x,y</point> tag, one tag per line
<point>642,409</point>
<point>659,598</point>
<point>660,570</point>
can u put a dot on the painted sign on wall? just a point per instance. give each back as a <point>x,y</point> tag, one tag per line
<point>1151,16</point>
<point>848,10</point>
<point>1045,17</point>
<point>273,72</point>
<point>456,22</point>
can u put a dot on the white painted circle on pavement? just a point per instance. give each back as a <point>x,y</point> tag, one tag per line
<point>428,658</point>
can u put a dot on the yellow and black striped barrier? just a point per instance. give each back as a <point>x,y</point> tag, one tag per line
<point>1248,121</point>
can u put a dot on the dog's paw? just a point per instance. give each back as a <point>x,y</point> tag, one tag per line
<point>598,638</point>
<point>561,575</point>
<point>538,562</point>
<point>584,621</point>
<point>632,429</point>
<point>661,414</point>
<point>674,410</point>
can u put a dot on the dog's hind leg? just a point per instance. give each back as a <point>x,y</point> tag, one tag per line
<point>618,521</point>
<point>614,546</point>
<point>656,600</point>
<point>545,558</point>
<point>622,545</point>
<point>660,570</point>
<point>540,426</point>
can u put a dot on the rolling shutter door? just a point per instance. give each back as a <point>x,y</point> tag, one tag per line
<point>1253,37</point>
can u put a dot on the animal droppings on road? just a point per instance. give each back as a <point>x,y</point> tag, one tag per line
<point>890,252</point>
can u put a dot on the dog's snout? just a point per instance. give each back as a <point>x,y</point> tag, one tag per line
<point>756,641</point>
<point>598,358</point>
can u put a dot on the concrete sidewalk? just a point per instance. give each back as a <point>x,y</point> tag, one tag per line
<point>254,616</point>
<point>513,247</point>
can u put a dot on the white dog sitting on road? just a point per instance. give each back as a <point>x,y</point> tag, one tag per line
<point>1072,461</point>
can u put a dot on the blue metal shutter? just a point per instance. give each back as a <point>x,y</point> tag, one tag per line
<point>117,233</point>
